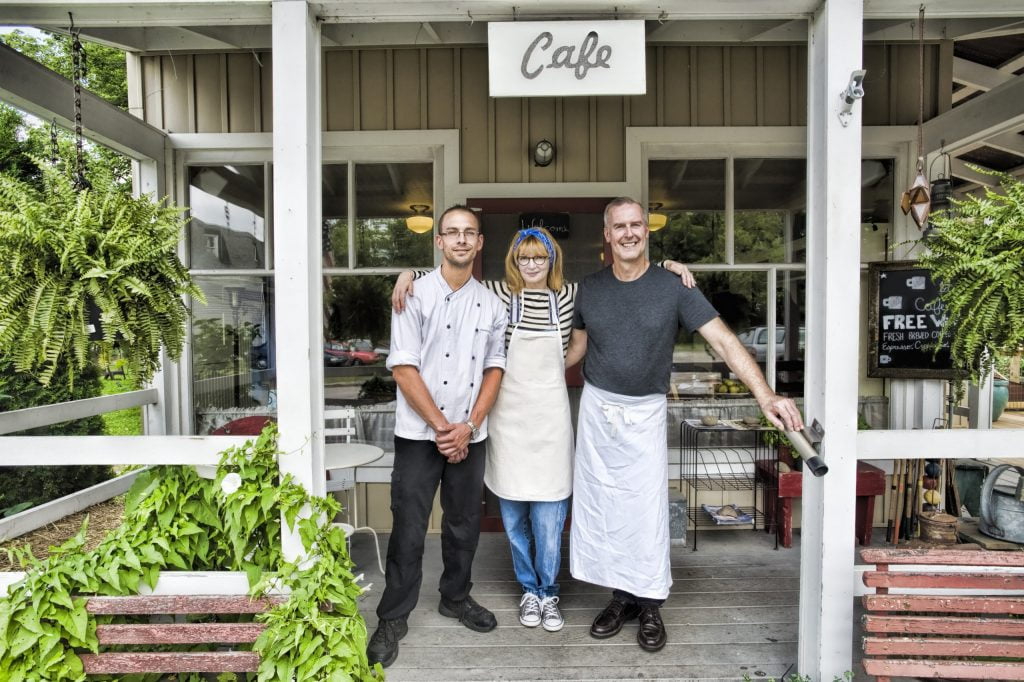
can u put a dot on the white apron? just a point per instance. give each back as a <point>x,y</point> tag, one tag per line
<point>529,429</point>
<point>620,533</point>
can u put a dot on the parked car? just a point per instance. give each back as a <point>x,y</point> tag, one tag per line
<point>755,340</point>
<point>337,355</point>
<point>362,352</point>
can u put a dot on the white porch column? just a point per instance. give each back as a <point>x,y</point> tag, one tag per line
<point>833,258</point>
<point>297,261</point>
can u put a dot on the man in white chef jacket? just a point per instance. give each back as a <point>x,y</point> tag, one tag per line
<point>629,314</point>
<point>447,357</point>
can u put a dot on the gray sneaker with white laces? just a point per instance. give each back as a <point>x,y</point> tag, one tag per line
<point>551,617</point>
<point>529,610</point>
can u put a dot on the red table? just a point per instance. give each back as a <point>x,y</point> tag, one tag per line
<point>784,487</point>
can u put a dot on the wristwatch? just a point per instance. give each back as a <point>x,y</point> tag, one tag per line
<point>474,430</point>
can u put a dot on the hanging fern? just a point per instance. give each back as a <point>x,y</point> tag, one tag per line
<point>976,254</point>
<point>62,250</point>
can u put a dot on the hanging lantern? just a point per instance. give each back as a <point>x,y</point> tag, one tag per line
<point>917,201</point>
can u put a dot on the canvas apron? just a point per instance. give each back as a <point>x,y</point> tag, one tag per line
<point>620,535</point>
<point>529,429</point>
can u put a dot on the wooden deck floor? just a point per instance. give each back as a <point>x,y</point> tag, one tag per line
<point>732,613</point>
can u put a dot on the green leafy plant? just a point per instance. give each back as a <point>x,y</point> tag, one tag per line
<point>62,250</point>
<point>975,254</point>
<point>175,519</point>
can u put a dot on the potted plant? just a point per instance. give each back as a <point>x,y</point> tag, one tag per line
<point>70,255</point>
<point>975,252</point>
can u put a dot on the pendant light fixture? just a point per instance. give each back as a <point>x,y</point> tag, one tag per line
<point>655,220</point>
<point>419,222</point>
<point>917,198</point>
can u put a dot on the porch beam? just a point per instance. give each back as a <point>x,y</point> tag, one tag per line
<point>35,89</point>
<point>978,76</point>
<point>1007,142</point>
<point>833,263</point>
<point>938,443</point>
<point>81,450</point>
<point>297,236</point>
<point>997,111</point>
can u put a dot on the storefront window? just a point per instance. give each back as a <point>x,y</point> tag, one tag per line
<point>770,205</point>
<point>234,373</point>
<point>691,193</point>
<point>335,215</point>
<point>357,334</point>
<point>227,208</point>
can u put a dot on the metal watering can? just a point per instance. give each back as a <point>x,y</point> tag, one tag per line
<point>1002,513</point>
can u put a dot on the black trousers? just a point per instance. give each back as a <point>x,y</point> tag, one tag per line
<point>417,471</point>
<point>630,598</point>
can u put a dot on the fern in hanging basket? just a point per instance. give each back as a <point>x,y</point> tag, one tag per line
<point>976,254</point>
<point>63,251</point>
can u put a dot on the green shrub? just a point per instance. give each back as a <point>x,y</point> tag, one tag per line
<point>38,484</point>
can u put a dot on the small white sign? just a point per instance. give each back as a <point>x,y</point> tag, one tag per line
<point>566,58</point>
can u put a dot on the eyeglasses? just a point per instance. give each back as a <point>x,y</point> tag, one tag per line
<point>539,261</point>
<point>469,234</point>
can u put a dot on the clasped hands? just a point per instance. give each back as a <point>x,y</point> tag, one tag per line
<point>453,441</point>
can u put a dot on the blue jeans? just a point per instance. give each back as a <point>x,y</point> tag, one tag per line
<point>534,531</point>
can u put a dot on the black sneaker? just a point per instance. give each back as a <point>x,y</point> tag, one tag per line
<point>383,646</point>
<point>469,613</point>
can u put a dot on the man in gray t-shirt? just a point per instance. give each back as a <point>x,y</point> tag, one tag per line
<point>627,316</point>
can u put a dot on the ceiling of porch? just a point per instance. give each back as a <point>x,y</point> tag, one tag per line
<point>988,43</point>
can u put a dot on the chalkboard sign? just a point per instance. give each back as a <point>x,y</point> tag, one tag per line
<point>905,321</point>
<point>555,223</point>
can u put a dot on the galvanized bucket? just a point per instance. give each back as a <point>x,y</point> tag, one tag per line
<point>1002,513</point>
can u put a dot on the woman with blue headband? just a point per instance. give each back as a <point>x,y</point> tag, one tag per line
<point>530,433</point>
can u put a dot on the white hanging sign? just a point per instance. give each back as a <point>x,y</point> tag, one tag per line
<point>565,58</point>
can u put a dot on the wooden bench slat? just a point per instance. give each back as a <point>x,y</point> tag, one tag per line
<point>180,633</point>
<point>941,646</point>
<point>959,581</point>
<point>924,625</point>
<point>922,603</point>
<point>973,670</point>
<point>943,557</point>
<point>191,662</point>
<point>180,604</point>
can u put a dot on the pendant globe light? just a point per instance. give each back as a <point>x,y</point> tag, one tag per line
<point>419,222</point>
<point>655,220</point>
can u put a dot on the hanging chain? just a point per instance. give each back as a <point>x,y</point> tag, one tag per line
<point>54,148</point>
<point>79,67</point>
<point>920,90</point>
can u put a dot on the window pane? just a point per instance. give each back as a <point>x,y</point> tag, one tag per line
<point>227,207</point>
<point>875,208</point>
<point>790,333</point>
<point>234,374</point>
<point>385,194</point>
<point>770,213</point>
<point>357,329</point>
<point>691,193</point>
<point>335,216</point>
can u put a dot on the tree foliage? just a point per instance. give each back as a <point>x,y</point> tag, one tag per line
<point>976,254</point>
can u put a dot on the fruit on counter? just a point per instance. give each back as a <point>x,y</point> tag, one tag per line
<point>731,386</point>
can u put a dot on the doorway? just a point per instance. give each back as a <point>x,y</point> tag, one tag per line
<point>576,223</point>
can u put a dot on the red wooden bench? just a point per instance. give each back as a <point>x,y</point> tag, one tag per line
<point>109,663</point>
<point>938,634</point>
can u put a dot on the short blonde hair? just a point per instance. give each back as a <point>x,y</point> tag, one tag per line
<point>532,246</point>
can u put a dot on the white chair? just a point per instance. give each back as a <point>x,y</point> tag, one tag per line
<point>341,460</point>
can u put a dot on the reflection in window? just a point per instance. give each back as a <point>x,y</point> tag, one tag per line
<point>357,336</point>
<point>227,207</point>
<point>770,202</point>
<point>335,215</point>
<point>692,194</point>
<point>234,373</point>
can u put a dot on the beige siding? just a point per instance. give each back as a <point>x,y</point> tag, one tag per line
<point>445,87</point>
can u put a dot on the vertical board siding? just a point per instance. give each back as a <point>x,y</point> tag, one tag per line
<point>406,91</point>
<point>447,87</point>
<point>208,93</point>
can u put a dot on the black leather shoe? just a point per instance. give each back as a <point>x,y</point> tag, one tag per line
<point>651,636</point>
<point>383,646</point>
<point>469,613</point>
<point>610,620</point>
